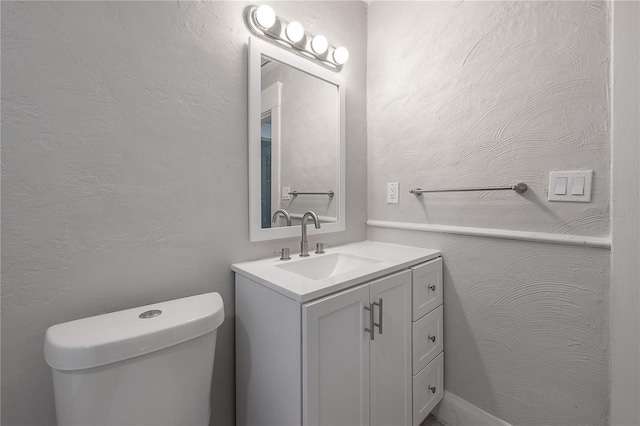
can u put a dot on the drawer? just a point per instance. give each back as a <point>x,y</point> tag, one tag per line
<point>427,338</point>
<point>428,389</point>
<point>427,287</point>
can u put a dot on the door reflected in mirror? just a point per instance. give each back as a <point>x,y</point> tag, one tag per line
<point>265,168</point>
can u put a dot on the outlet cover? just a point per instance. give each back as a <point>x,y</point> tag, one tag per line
<point>392,192</point>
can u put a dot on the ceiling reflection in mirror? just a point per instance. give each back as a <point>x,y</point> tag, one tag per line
<point>300,144</point>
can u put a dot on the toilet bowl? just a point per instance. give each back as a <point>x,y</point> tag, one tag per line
<point>150,365</point>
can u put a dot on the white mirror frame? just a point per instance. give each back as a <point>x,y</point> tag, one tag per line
<point>257,48</point>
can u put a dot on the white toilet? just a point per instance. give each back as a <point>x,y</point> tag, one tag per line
<point>144,366</point>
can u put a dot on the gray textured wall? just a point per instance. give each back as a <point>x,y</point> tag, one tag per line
<point>124,178</point>
<point>492,93</point>
<point>488,93</point>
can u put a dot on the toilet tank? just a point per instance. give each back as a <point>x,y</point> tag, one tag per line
<point>150,365</point>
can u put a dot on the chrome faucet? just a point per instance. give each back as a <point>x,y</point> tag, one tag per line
<point>284,213</point>
<point>304,244</point>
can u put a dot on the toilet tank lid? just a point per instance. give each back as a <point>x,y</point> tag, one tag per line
<point>105,339</point>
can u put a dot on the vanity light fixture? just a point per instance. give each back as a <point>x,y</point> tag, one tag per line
<point>263,22</point>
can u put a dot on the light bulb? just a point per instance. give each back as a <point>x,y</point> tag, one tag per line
<point>294,31</point>
<point>319,44</point>
<point>341,55</point>
<point>265,16</point>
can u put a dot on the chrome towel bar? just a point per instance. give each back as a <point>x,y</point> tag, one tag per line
<point>518,187</point>
<point>296,193</point>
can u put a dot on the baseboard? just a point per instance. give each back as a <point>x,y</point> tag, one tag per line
<point>455,411</point>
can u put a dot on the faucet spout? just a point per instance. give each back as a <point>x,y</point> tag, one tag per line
<point>304,244</point>
<point>284,213</point>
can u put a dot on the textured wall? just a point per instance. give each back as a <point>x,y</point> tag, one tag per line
<point>492,93</point>
<point>124,175</point>
<point>488,93</point>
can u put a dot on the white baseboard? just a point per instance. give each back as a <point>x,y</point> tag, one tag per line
<point>455,411</point>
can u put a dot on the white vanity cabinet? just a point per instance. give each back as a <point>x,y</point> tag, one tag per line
<point>358,355</point>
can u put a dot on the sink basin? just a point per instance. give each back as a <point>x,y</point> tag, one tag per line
<point>327,265</point>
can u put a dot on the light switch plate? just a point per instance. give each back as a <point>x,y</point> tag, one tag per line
<point>563,186</point>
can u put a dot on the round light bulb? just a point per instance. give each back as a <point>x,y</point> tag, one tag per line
<point>319,44</point>
<point>341,55</point>
<point>265,16</point>
<point>294,31</point>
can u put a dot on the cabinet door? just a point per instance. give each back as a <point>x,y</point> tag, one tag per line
<point>391,351</point>
<point>335,359</point>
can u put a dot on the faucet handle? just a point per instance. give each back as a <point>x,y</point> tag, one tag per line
<point>284,253</point>
<point>320,248</point>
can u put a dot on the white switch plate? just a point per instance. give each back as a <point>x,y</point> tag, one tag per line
<point>574,180</point>
<point>392,192</point>
<point>285,192</point>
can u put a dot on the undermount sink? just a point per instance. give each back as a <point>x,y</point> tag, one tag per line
<point>327,265</point>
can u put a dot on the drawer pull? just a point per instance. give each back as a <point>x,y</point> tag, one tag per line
<point>432,287</point>
<point>432,338</point>
<point>432,389</point>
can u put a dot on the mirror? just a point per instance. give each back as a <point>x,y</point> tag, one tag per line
<point>296,143</point>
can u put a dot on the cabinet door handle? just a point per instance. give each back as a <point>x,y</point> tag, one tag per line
<point>432,389</point>
<point>371,331</point>
<point>432,338</point>
<point>379,305</point>
<point>432,287</point>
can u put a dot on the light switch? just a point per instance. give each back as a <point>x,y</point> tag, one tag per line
<point>577,186</point>
<point>573,186</point>
<point>561,186</point>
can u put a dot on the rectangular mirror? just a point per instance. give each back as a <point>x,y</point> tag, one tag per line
<point>296,143</point>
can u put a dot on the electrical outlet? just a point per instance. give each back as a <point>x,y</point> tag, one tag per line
<point>392,192</point>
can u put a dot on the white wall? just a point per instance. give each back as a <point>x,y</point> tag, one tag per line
<point>465,94</point>
<point>625,214</point>
<point>124,176</point>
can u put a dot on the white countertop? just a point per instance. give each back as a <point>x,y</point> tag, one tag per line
<point>392,258</point>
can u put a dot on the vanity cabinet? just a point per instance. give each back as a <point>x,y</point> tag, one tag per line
<point>369,354</point>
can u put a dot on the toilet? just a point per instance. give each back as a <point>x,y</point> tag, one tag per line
<point>144,366</point>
